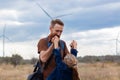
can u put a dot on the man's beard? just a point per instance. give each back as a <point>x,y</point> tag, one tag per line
<point>52,35</point>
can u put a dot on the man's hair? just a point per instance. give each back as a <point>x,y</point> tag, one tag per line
<point>56,21</point>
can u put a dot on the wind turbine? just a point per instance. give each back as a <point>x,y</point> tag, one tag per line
<point>117,41</point>
<point>49,14</point>
<point>4,36</point>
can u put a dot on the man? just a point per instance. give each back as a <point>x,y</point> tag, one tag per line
<point>46,46</point>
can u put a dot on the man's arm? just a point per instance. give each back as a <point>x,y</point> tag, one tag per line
<point>43,49</point>
<point>44,55</point>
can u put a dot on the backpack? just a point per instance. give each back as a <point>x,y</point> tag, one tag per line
<point>37,72</point>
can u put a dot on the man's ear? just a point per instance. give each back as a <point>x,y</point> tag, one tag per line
<point>50,28</point>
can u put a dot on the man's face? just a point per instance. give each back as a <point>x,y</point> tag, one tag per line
<point>57,29</point>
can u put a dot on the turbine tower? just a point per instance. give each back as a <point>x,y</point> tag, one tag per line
<point>4,36</point>
<point>116,43</point>
<point>117,40</point>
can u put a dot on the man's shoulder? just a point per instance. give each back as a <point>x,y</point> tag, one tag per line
<point>42,40</point>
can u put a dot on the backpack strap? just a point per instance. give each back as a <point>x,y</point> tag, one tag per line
<point>36,66</point>
<point>62,45</point>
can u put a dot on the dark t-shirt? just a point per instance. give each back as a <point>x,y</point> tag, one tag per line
<point>43,46</point>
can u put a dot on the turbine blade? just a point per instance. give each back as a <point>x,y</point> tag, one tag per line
<point>111,39</point>
<point>62,15</point>
<point>44,11</point>
<point>7,38</point>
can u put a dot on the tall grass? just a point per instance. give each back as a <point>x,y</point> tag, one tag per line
<point>99,71</point>
<point>8,72</point>
<point>87,71</point>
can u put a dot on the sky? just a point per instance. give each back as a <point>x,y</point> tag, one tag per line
<point>94,24</point>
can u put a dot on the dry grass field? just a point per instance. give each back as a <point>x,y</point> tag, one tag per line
<point>87,71</point>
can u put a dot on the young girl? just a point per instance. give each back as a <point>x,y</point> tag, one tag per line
<point>67,69</point>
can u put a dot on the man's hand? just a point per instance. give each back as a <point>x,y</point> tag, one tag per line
<point>55,40</point>
<point>73,44</point>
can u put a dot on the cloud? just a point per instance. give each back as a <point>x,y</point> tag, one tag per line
<point>95,17</point>
<point>27,49</point>
<point>9,14</point>
<point>90,42</point>
<point>95,42</point>
<point>89,14</point>
<point>9,17</point>
<point>91,23</point>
